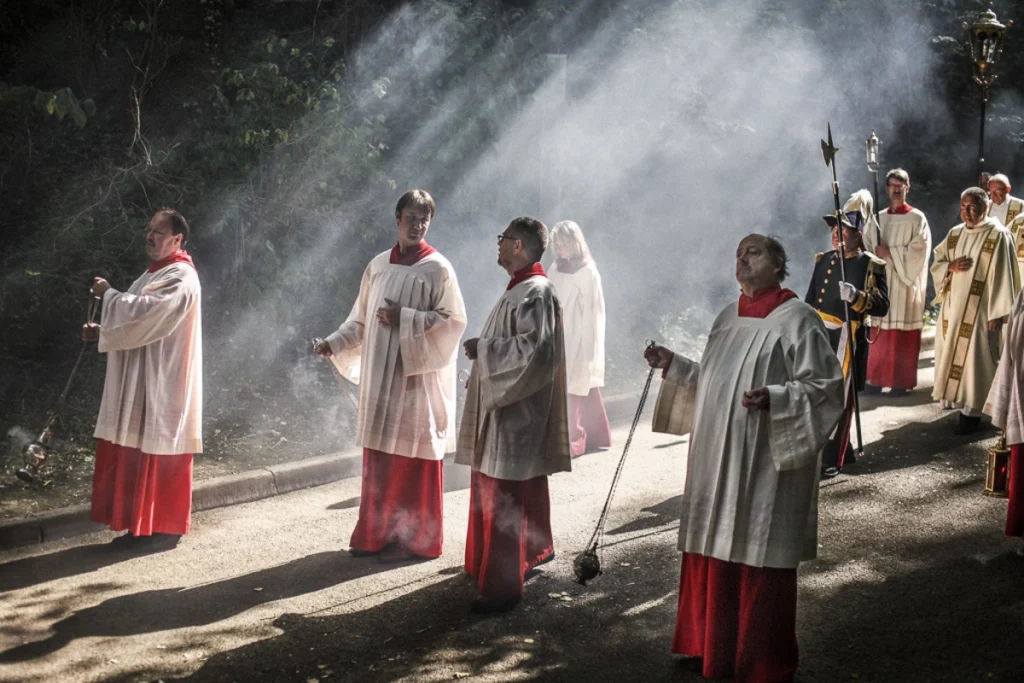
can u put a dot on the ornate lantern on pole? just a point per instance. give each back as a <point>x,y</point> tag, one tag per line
<point>872,144</point>
<point>997,469</point>
<point>986,42</point>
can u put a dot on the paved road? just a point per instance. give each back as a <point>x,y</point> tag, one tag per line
<point>915,582</point>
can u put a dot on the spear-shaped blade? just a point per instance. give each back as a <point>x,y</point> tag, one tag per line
<point>828,150</point>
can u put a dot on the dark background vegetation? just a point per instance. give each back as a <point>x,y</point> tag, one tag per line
<point>267,123</point>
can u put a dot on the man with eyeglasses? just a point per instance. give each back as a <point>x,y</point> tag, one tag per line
<point>974,283</point>
<point>864,292</point>
<point>400,343</point>
<point>905,245</point>
<point>515,428</point>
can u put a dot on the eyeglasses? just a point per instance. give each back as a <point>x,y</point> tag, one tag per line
<point>507,237</point>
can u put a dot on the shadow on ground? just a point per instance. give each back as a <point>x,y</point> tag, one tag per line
<point>160,610</point>
<point>31,571</point>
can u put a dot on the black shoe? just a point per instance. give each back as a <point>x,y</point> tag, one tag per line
<point>356,552</point>
<point>871,389</point>
<point>691,664</point>
<point>484,605</point>
<point>966,424</point>
<point>830,472</point>
<point>898,393</point>
<point>851,456</point>
<point>549,558</point>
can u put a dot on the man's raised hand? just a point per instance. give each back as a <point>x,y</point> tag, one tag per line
<point>658,356</point>
<point>99,287</point>
<point>323,349</point>
<point>90,332</point>
<point>470,347</point>
<point>390,315</point>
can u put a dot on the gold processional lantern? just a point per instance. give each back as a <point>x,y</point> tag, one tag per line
<point>997,469</point>
<point>986,42</point>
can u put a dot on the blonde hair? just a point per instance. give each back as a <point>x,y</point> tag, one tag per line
<point>570,232</point>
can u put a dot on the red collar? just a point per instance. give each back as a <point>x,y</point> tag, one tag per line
<point>906,208</point>
<point>413,255</point>
<point>525,273</point>
<point>764,301</point>
<point>180,256</point>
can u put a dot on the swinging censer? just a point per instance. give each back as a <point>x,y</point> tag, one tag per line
<point>36,453</point>
<point>587,564</point>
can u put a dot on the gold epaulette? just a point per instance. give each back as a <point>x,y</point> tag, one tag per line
<point>877,264</point>
<point>817,257</point>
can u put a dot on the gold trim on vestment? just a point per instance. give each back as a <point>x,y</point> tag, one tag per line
<point>962,342</point>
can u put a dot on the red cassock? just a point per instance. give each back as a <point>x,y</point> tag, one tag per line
<point>402,502</point>
<point>588,423</point>
<point>892,359</point>
<point>145,494</point>
<point>740,620</point>
<point>509,533</point>
<point>1015,508</point>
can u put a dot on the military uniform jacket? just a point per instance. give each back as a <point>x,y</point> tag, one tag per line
<point>866,272</point>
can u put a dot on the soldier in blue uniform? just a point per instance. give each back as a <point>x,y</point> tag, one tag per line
<point>865,293</point>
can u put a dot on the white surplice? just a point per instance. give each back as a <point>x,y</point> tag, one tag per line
<point>152,335</point>
<point>406,374</point>
<point>1006,397</point>
<point>1006,212</point>
<point>515,424</point>
<point>582,300</point>
<point>979,367</point>
<point>906,270</point>
<point>751,493</point>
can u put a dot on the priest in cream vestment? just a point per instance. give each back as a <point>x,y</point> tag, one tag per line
<point>905,246</point>
<point>759,407</point>
<point>974,272</point>
<point>150,421</point>
<point>578,285</point>
<point>399,344</point>
<point>1004,206</point>
<point>514,432</point>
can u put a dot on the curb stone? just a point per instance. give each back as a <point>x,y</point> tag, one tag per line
<point>246,487</point>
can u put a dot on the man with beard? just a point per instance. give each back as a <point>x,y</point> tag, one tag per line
<point>863,293</point>
<point>399,344</point>
<point>759,407</point>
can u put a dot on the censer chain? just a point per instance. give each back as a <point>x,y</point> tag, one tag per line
<point>598,535</point>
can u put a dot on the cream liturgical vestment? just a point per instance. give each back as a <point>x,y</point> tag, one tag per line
<point>966,351</point>
<point>906,270</point>
<point>583,317</point>
<point>1005,400</point>
<point>751,493</point>
<point>406,375</point>
<point>514,425</point>
<point>1006,212</point>
<point>152,335</point>
<point>1016,228</point>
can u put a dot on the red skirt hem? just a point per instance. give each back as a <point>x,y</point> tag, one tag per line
<point>142,493</point>
<point>588,423</point>
<point>1015,491</point>
<point>892,358</point>
<point>740,620</point>
<point>509,533</point>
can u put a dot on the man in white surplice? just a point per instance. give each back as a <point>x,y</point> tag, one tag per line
<point>759,408</point>
<point>974,279</point>
<point>151,417</point>
<point>399,344</point>
<point>905,245</point>
<point>514,430</point>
